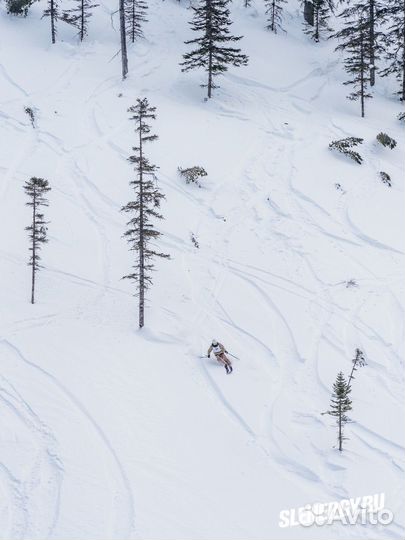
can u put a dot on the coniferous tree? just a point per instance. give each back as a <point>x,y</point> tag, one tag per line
<point>36,189</point>
<point>394,41</point>
<point>19,7</point>
<point>274,12</point>
<point>340,405</point>
<point>355,39</point>
<point>79,16</point>
<point>358,361</point>
<point>372,14</point>
<point>144,208</point>
<point>52,11</point>
<point>212,52</point>
<point>135,15</point>
<point>323,9</point>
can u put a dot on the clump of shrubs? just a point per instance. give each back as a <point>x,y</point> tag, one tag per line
<point>386,178</point>
<point>345,146</point>
<point>194,241</point>
<point>386,140</point>
<point>193,174</point>
<point>29,111</point>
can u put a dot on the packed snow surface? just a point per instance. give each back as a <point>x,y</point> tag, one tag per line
<point>112,432</point>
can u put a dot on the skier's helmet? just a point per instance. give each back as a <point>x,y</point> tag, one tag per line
<point>214,342</point>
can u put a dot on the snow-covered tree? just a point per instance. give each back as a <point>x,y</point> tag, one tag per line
<point>141,232</point>
<point>358,361</point>
<point>36,189</point>
<point>340,405</point>
<point>52,11</point>
<point>274,12</point>
<point>355,42</point>
<point>323,9</point>
<point>135,15</point>
<point>79,16</point>
<point>212,51</point>
<point>19,7</point>
<point>394,41</point>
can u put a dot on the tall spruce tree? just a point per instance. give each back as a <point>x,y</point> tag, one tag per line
<point>355,42</point>
<point>36,189</point>
<point>52,11</point>
<point>79,16</point>
<point>211,20</point>
<point>340,405</point>
<point>323,9</point>
<point>394,41</point>
<point>141,232</point>
<point>372,14</point>
<point>274,12</point>
<point>135,16</point>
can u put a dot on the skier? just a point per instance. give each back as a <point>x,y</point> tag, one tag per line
<point>219,350</point>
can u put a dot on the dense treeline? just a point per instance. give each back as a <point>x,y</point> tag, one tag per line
<point>369,33</point>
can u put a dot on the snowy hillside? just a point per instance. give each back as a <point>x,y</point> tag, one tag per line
<point>111,432</point>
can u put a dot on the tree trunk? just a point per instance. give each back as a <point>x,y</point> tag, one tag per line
<point>141,236</point>
<point>363,68</point>
<point>340,428</point>
<point>403,61</point>
<point>317,23</point>
<point>372,42</point>
<point>133,15</point>
<point>209,32</point>
<point>82,22</point>
<point>124,55</point>
<point>34,211</point>
<point>209,73</point>
<point>53,28</point>
<point>273,16</point>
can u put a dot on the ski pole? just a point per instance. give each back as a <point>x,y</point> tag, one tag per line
<point>233,355</point>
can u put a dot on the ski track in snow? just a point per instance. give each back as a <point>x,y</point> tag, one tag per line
<point>125,505</point>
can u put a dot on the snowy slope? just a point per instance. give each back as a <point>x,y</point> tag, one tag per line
<point>108,432</point>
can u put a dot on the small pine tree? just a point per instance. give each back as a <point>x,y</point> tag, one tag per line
<point>19,7</point>
<point>135,15</point>
<point>359,360</point>
<point>36,188</point>
<point>356,45</point>
<point>323,9</point>
<point>79,16</point>
<point>211,20</point>
<point>340,405</point>
<point>394,41</point>
<point>52,11</point>
<point>141,231</point>
<point>274,12</point>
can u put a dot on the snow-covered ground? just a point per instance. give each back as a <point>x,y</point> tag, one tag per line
<point>108,432</point>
